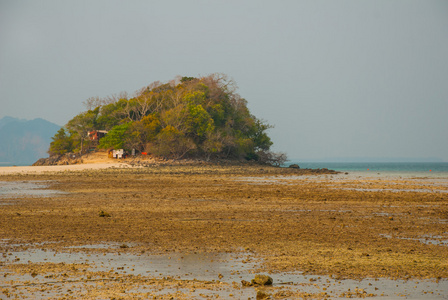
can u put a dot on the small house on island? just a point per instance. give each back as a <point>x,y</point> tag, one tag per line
<point>96,135</point>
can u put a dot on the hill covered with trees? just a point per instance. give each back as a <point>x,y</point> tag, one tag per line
<point>186,117</point>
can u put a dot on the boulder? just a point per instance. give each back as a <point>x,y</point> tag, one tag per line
<point>294,166</point>
<point>262,280</point>
<point>261,295</point>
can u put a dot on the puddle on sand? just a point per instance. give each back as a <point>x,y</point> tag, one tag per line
<point>228,268</point>
<point>426,239</point>
<point>16,189</point>
<point>394,190</point>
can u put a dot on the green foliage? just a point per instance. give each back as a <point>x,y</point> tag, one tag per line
<point>195,117</point>
<point>84,122</point>
<point>61,144</point>
<point>172,143</point>
<point>116,137</point>
<point>259,136</point>
<point>218,114</point>
<point>199,122</point>
<point>142,133</point>
<point>185,79</point>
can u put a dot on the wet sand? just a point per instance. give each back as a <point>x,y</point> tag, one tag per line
<point>196,231</point>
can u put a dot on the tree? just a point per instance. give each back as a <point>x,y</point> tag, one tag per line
<point>83,123</point>
<point>115,138</point>
<point>142,132</point>
<point>172,143</point>
<point>213,144</point>
<point>198,122</point>
<point>272,158</point>
<point>259,135</point>
<point>61,144</point>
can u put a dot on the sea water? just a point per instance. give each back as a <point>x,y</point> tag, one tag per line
<point>431,169</point>
<point>9,164</point>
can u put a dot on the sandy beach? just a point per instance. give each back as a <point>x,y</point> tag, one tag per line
<point>62,168</point>
<point>114,231</point>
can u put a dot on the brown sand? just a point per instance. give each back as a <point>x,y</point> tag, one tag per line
<point>293,220</point>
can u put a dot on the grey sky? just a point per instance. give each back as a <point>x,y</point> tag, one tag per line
<point>336,78</point>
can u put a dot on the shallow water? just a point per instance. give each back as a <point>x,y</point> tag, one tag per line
<point>429,168</point>
<point>17,189</point>
<point>394,190</point>
<point>217,267</point>
<point>188,266</point>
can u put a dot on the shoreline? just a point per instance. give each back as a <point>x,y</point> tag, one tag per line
<point>99,161</point>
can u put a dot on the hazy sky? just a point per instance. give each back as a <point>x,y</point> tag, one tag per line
<point>336,78</point>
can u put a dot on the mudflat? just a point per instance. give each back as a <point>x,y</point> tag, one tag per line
<point>116,230</point>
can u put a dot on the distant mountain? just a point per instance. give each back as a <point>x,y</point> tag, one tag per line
<point>22,142</point>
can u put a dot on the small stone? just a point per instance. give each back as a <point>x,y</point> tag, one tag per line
<point>246,283</point>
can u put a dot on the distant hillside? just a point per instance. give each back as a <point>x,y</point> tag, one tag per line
<point>22,142</point>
